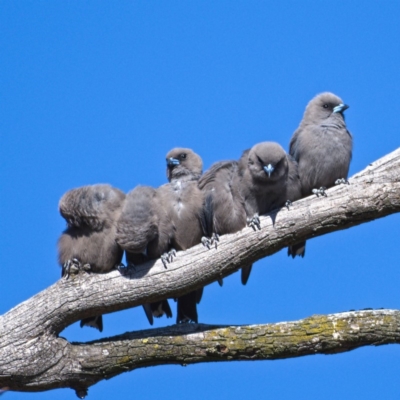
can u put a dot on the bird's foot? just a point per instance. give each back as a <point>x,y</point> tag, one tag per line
<point>254,222</point>
<point>71,267</point>
<point>167,258</point>
<point>341,181</point>
<point>211,241</point>
<point>320,191</point>
<point>125,269</point>
<point>288,204</point>
<point>186,320</point>
<point>86,267</point>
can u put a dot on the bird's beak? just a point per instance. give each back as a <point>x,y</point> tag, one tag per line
<point>172,162</point>
<point>340,108</point>
<point>269,169</point>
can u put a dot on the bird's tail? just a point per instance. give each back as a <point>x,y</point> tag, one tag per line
<point>93,322</point>
<point>298,249</point>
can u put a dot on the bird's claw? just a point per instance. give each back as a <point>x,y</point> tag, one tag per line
<point>71,267</point>
<point>125,269</point>
<point>86,267</point>
<point>342,181</point>
<point>186,320</point>
<point>167,258</point>
<point>208,242</point>
<point>320,191</point>
<point>81,393</point>
<point>288,204</point>
<point>254,222</point>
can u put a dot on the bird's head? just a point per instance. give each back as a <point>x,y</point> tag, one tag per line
<point>267,162</point>
<point>323,106</point>
<point>183,163</point>
<point>91,205</point>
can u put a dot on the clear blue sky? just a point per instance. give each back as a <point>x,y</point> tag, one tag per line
<point>96,92</point>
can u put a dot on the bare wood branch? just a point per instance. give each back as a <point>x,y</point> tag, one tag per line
<point>29,331</point>
<point>81,365</point>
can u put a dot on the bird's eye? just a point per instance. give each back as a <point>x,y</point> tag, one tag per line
<point>183,156</point>
<point>260,161</point>
<point>325,105</point>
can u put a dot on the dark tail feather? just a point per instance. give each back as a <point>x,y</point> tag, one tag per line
<point>93,322</point>
<point>157,309</point>
<point>220,282</point>
<point>166,308</point>
<point>298,249</point>
<point>206,216</point>
<point>199,295</point>
<point>148,312</point>
<point>245,273</point>
<point>187,309</point>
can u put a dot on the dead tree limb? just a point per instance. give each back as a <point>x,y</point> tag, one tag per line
<point>34,358</point>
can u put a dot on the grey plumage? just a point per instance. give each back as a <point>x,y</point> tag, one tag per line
<point>185,200</point>
<point>88,242</point>
<point>322,145</point>
<point>268,191</point>
<point>224,209</point>
<point>138,228</point>
<point>155,221</point>
<point>263,179</point>
<point>143,231</point>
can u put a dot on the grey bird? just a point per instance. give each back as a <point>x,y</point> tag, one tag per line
<point>270,181</point>
<point>88,243</point>
<point>143,231</point>
<point>224,209</point>
<point>264,179</point>
<point>322,145</point>
<point>157,222</point>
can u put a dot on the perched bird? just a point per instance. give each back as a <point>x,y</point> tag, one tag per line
<point>270,181</point>
<point>185,200</point>
<point>236,193</point>
<point>322,145</point>
<point>224,209</point>
<point>268,176</point>
<point>143,232</point>
<point>88,243</point>
<point>157,222</point>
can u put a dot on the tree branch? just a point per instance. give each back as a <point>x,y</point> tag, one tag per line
<point>29,331</point>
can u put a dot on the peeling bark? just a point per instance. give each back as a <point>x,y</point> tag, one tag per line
<point>34,358</point>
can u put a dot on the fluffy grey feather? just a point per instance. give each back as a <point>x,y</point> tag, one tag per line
<point>155,221</point>
<point>263,179</point>
<point>88,242</point>
<point>322,145</point>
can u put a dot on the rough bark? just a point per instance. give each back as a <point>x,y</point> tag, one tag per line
<point>34,358</point>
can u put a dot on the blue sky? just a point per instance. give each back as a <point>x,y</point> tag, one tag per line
<point>98,92</point>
